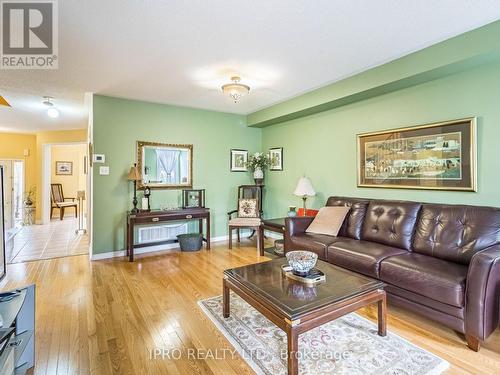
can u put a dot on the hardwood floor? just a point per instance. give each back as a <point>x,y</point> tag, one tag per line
<point>106,317</point>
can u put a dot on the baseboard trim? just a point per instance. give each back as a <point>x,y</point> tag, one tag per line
<point>149,249</point>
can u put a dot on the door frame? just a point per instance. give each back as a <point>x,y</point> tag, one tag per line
<point>12,160</point>
<point>47,175</point>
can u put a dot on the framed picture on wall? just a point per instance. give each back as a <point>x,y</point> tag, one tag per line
<point>439,156</point>
<point>64,168</point>
<point>238,160</point>
<point>276,157</point>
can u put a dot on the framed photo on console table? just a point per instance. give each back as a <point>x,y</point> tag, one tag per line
<point>439,156</point>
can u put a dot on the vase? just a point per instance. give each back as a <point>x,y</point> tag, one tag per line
<point>292,211</point>
<point>258,176</point>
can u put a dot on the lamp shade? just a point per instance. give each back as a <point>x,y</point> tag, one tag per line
<point>304,188</point>
<point>134,174</point>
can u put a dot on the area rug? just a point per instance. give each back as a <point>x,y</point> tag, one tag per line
<point>348,345</point>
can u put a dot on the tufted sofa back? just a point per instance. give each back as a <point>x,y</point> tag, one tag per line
<point>455,232</point>
<point>391,222</point>
<point>354,220</point>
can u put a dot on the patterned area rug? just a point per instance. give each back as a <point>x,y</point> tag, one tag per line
<point>348,345</point>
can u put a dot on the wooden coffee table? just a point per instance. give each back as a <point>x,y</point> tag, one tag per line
<point>297,308</point>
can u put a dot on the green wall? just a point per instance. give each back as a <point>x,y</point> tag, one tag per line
<point>119,123</point>
<point>323,146</point>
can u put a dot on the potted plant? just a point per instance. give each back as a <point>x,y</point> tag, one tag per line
<point>257,163</point>
<point>29,197</point>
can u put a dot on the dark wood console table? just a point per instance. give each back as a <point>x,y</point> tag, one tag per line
<point>154,217</point>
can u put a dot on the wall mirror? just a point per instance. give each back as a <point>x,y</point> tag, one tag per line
<point>165,166</point>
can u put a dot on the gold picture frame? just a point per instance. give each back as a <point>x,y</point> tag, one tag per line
<point>436,156</point>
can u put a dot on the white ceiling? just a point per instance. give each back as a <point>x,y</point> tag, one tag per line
<point>181,52</point>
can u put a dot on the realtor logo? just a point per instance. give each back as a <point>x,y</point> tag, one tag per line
<point>29,34</point>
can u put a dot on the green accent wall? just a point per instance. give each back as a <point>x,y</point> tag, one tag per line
<point>461,53</point>
<point>453,79</point>
<point>323,145</point>
<point>119,123</point>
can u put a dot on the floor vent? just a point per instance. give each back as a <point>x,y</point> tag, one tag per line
<point>160,233</point>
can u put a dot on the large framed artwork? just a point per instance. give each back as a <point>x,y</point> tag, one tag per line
<point>238,159</point>
<point>440,156</point>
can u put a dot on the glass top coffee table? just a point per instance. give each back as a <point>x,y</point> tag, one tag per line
<point>296,307</point>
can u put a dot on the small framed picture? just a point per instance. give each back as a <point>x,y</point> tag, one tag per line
<point>276,157</point>
<point>239,160</point>
<point>64,168</point>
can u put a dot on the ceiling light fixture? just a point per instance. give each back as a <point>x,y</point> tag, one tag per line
<point>52,111</point>
<point>235,90</point>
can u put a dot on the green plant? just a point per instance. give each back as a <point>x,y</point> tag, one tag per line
<point>258,160</point>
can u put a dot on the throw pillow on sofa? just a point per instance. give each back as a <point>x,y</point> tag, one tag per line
<point>328,220</point>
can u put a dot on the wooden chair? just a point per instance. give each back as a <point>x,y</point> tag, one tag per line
<point>253,222</point>
<point>60,202</point>
<point>248,192</point>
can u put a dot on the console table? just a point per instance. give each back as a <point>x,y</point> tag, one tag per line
<point>155,217</point>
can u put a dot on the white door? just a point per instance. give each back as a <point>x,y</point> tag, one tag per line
<point>7,193</point>
<point>17,192</point>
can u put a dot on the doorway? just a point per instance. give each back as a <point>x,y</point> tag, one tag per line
<point>13,196</point>
<point>64,165</point>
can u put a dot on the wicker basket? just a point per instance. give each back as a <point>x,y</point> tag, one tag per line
<point>190,241</point>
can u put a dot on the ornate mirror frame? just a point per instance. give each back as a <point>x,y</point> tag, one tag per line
<point>189,148</point>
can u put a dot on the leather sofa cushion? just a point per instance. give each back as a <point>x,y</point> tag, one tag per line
<point>458,312</point>
<point>391,222</point>
<point>316,243</point>
<point>354,220</point>
<point>456,232</point>
<point>360,256</point>
<point>433,278</point>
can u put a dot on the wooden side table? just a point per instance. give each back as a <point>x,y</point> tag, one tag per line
<point>276,225</point>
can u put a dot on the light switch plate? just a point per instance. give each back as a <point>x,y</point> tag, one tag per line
<point>99,158</point>
<point>104,170</point>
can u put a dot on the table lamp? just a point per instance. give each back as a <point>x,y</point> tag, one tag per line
<point>134,176</point>
<point>304,189</point>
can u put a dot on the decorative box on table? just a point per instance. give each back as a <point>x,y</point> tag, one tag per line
<point>193,198</point>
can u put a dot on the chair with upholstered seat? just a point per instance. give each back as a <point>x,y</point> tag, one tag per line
<point>248,192</point>
<point>248,218</point>
<point>61,202</point>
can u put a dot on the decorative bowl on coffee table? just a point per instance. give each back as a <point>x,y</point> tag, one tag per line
<point>301,261</point>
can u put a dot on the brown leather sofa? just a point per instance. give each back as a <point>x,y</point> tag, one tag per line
<point>442,261</point>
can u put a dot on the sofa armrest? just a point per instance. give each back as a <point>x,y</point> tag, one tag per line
<point>482,295</point>
<point>297,224</point>
<point>293,226</point>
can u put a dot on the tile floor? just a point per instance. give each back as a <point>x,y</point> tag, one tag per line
<point>54,240</point>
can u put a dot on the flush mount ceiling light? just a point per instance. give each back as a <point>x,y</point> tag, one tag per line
<point>235,90</point>
<point>52,111</point>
